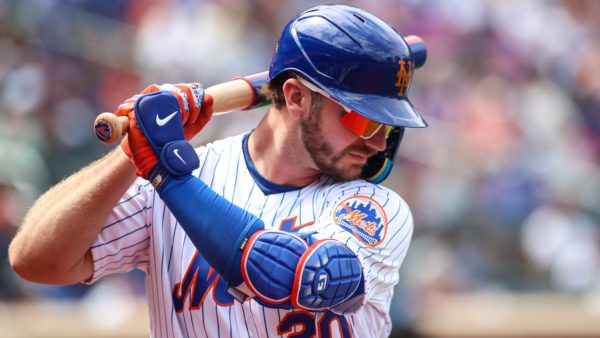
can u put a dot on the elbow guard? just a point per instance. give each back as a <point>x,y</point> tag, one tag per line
<point>281,270</point>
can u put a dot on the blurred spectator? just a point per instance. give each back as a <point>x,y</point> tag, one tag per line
<point>562,242</point>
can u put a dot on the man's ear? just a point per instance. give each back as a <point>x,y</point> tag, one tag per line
<point>297,97</point>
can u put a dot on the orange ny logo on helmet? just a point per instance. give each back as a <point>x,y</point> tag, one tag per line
<point>403,77</point>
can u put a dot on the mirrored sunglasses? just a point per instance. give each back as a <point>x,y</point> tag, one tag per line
<point>353,121</point>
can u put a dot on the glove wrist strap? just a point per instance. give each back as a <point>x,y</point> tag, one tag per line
<point>177,159</point>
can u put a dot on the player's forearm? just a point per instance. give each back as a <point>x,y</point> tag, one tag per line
<point>55,237</point>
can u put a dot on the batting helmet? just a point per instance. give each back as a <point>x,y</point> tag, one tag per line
<point>359,60</point>
<point>355,57</point>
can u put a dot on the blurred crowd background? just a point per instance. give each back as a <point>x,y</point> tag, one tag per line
<point>504,184</point>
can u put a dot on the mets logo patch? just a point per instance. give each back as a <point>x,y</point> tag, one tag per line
<point>363,217</point>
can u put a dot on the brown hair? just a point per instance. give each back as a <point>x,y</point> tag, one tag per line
<point>274,91</point>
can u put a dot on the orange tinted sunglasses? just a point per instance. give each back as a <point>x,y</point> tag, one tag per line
<point>353,121</point>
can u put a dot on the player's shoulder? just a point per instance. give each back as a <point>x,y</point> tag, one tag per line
<point>360,187</point>
<point>368,211</point>
<point>363,194</point>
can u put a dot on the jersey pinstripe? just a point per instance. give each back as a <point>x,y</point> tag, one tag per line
<point>186,297</point>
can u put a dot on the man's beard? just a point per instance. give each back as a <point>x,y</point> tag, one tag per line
<point>322,153</point>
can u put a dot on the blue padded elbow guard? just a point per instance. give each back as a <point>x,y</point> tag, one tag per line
<point>281,271</point>
<point>269,265</point>
<point>328,273</point>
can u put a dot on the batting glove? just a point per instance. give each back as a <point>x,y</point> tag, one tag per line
<point>196,111</point>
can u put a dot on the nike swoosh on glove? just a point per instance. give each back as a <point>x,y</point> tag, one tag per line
<point>196,108</point>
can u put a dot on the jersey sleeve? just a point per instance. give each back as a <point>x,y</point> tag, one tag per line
<point>123,243</point>
<point>377,225</point>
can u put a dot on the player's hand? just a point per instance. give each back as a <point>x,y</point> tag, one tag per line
<point>196,107</point>
<point>157,141</point>
<point>196,111</point>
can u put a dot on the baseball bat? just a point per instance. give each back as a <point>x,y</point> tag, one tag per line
<point>241,93</point>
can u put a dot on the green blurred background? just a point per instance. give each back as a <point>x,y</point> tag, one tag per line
<point>504,184</point>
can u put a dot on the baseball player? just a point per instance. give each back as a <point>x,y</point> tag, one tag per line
<point>280,232</point>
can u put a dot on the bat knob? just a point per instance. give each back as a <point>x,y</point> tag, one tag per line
<point>109,127</point>
<point>418,49</point>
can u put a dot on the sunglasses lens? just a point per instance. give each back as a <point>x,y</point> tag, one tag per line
<point>360,125</point>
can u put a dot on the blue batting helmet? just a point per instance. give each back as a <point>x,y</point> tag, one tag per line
<point>356,58</point>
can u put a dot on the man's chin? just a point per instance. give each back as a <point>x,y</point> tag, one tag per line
<point>345,167</point>
<point>348,173</point>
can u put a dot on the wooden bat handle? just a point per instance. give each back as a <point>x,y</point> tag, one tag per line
<point>241,93</point>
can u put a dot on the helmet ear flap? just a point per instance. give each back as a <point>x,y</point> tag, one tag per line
<point>379,166</point>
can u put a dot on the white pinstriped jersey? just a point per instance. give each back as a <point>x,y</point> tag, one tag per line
<point>186,297</point>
